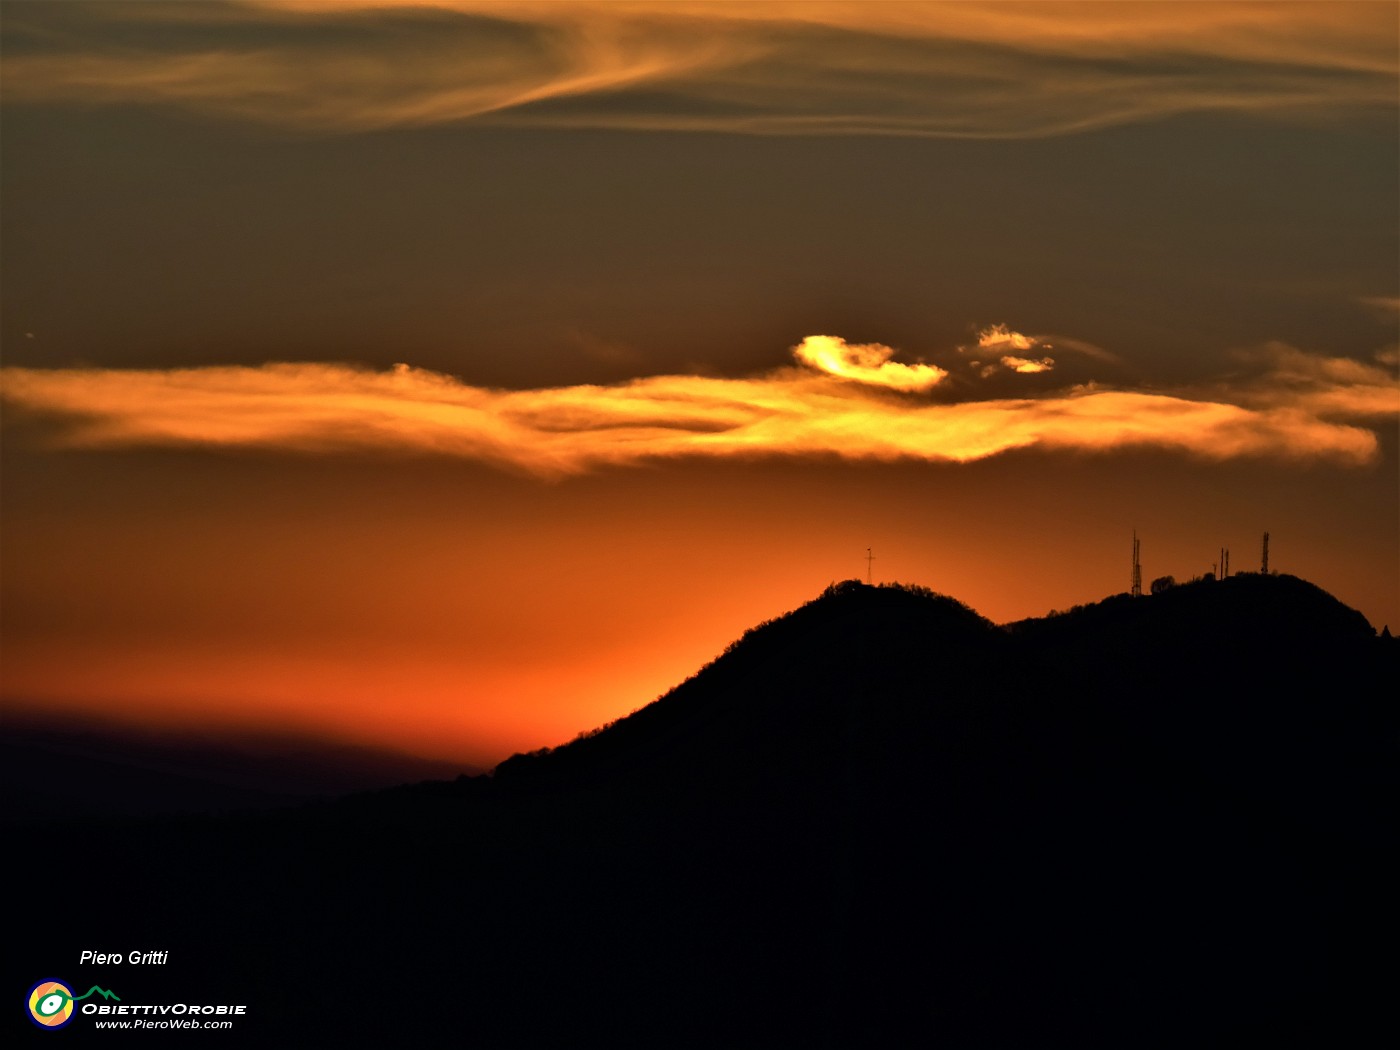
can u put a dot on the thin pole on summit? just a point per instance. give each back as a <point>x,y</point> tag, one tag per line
<point>1137,567</point>
<point>869,560</point>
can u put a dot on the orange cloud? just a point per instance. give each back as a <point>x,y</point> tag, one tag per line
<point>865,363</point>
<point>1027,365</point>
<point>1001,342</point>
<point>320,408</point>
<point>1324,387</point>
<point>999,339</point>
<point>932,69</point>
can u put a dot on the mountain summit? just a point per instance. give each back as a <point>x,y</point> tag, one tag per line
<point>894,676</point>
<point>879,820</point>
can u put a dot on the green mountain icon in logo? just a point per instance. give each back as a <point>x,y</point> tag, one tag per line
<point>100,991</point>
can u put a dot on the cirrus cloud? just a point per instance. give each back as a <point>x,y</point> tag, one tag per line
<point>1307,408</point>
<point>961,70</point>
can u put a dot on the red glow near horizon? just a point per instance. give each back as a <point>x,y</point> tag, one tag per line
<point>460,622</point>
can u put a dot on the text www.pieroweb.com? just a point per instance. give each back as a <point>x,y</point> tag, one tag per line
<point>182,1022</point>
<point>195,1017</point>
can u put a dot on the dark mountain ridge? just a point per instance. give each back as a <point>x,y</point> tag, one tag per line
<point>792,679</point>
<point>1244,671</point>
<point>879,820</point>
<point>51,768</point>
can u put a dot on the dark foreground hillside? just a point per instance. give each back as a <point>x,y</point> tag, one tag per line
<point>879,820</point>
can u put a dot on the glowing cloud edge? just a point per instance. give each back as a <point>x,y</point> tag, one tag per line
<point>851,401</point>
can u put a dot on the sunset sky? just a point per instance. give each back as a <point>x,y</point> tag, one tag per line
<point>460,376</point>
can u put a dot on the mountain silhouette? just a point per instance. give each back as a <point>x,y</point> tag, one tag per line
<point>879,820</point>
<point>50,768</point>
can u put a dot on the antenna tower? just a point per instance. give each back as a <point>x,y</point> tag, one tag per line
<point>869,559</point>
<point>1137,566</point>
<point>1264,558</point>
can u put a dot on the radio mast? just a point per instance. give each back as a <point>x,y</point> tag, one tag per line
<point>1137,567</point>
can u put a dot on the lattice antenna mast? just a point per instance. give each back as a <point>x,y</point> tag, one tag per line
<point>1137,566</point>
<point>869,562</point>
<point>1264,557</point>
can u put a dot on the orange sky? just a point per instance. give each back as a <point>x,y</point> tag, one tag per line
<point>442,609</point>
<point>460,376</point>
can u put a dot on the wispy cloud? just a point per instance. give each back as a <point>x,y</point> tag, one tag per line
<point>1004,347</point>
<point>931,69</point>
<point>865,362</point>
<point>1306,407</point>
<point>1285,377</point>
<point>1000,340</point>
<point>1387,306</point>
<point>1026,365</point>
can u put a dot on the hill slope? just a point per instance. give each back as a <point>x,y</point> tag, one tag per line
<point>877,820</point>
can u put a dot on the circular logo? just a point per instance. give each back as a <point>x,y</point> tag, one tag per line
<point>51,1004</point>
